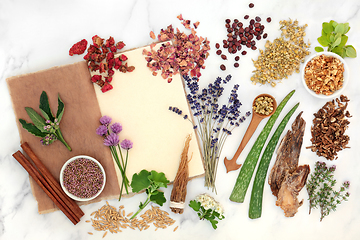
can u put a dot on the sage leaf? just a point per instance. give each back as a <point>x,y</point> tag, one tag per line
<point>344,39</point>
<point>45,107</point>
<point>323,41</point>
<point>340,28</point>
<point>60,110</point>
<point>38,121</point>
<point>319,49</point>
<point>327,27</point>
<point>350,51</point>
<point>32,129</point>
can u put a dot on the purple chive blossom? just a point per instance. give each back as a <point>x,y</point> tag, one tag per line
<point>105,120</point>
<point>111,140</point>
<point>101,130</point>
<point>126,144</point>
<point>116,128</point>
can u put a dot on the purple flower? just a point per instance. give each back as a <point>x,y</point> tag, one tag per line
<point>101,130</point>
<point>126,144</point>
<point>105,120</point>
<point>111,140</point>
<point>116,128</point>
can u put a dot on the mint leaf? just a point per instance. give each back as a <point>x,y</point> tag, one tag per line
<point>60,110</point>
<point>319,49</point>
<point>45,107</point>
<point>158,198</point>
<point>38,121</point>
<point>350,51</point>
<point>159,179</point>
<point>195,205</point>
<point>327,27</point>
<point>32,129</point>
<point>140,181</point>
<point>323,41</point>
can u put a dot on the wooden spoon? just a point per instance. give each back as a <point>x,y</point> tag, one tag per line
<point>256,119</point>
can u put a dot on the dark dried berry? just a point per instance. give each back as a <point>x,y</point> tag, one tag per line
<point>230,50</point>
<point>252,31</point>
<point>268,19</point>
<point>223,56</point>
<point>237,58</point>
<point>265,35</point>
<point>248,45</point>
<point>246,16</point>
<point>218,52</point>
<point>227,25</point>
<point>252,22</point>
<point>241,30</point>
<point>222,67</point>
<point>227,20</point>
<point>217,45</point>
<point>251,5</point>
<point>257,29</point>
<point>257,25</point>
<point>247,29</point>
<point>250,37</point>
<point>243,52</point>
<point>224,42</point>
<point>253,47</point>
<point>236,20</point>
<point>234,25</point>
<point>258,19</point>
<point>258,37</point>
<point>225,46</point>
<point>240,24</point>
<point>239,48</point>
<point>236,65</point>
<point>229,30</point>
<point>251,26</point>
<point>262,27</point>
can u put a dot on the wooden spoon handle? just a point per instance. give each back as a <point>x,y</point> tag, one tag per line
<point>231,164</point>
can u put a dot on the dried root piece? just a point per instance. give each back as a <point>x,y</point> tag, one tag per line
<point>328,130</point>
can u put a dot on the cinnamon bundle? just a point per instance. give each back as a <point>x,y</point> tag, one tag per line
<point>178,193</point>
<point>48,183</point>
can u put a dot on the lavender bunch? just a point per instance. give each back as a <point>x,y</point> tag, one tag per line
<point>214,123</point>
<point>112,140</point>
<point>321,192</point>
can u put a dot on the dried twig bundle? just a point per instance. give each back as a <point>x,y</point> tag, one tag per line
<point>178,193</point>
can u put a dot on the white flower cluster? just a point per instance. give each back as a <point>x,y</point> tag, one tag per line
<point>209,202</point>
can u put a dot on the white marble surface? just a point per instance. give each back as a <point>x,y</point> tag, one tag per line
<point>36,35</point>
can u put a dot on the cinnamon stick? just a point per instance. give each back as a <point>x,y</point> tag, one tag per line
<point>45,186</point>
<point>52,181</point>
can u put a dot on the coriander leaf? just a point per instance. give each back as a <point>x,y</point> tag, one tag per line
<point>159,198</point>
<point>327,27</point>
<point>60,110</point>
<point>319,49</point>
<point>340,28</point>
<point>195,205</point>
<point>350,51</point>
<point>159,179</point>
<point>343,41</point>
<point>45,107</point>
<point>140,181</point>
<point>38,121</point>
<point>32,129</point>
<point>323,41</point>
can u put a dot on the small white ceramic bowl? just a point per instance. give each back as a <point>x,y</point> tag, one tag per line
<point>346,75</point>
<point>62,178</point>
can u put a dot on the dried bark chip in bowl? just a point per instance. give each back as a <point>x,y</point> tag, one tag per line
<point>82,178</point>
<point>325,75</point>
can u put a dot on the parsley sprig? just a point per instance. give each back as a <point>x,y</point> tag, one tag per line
<point>151,182</point>
<point>320,188</point>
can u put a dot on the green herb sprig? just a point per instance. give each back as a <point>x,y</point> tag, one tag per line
<point>151,182</point>
<point>333,37</point>
<point>48,126</point>
<point>320,189</point>
<point>207,209</point>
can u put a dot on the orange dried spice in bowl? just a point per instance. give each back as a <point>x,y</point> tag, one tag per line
<point>324,74</point>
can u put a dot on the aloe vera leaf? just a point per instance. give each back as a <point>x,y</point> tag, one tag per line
<point>242,182</point>
<point>255,208</point>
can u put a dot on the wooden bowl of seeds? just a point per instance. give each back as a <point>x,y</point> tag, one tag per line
<point>82,178</point>
<point>325,75</point>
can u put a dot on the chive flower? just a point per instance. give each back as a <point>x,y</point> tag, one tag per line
<point>116,128</point>
<point>105,120</point>
<point>111,140</point>
<point>126,144</point>
<point>101,130</point>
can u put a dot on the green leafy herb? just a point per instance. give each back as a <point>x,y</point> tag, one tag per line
<point>320,189</point>
<point>333,37</point>
<point>207,209</point>
<point>150,182</point>
<point>46,127</point>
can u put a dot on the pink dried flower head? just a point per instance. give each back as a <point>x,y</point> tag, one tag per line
<point>105,120</point>
<point>126,144</point>
<point>101,130</point>
<point>111,140</point>
<point>116,128</point>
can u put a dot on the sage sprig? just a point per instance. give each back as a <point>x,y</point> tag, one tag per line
<point>48,126</point>
<point>333,37</point>
<point>320,188</point>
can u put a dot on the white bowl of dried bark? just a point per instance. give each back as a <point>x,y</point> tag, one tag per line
<point>325,75</point>
<point>82,178</point>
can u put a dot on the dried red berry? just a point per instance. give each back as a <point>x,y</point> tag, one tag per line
<point>218,52</point>
<point>78,48</point>
<point>258,19</point>
<point>237,58</point>
<point>120,45</point>
<point>95,78</point>
<point>252,22</point>
<point>246,16</point>
<point>217,45</point>
<point>265,35</point>
<point>227,21</point>
<point>236,65</point>
<point>251,5</point>
<point>243,52</point>
<point>106,87</point>
<point>110,42</point>
<point>268,19</point>
<point>222,67</point>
